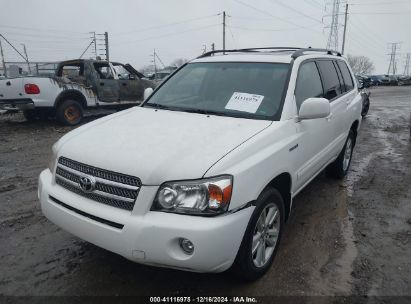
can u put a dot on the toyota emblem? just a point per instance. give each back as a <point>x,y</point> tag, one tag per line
<point>87,183</point>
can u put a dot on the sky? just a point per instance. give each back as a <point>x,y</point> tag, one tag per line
<point>56,30</point>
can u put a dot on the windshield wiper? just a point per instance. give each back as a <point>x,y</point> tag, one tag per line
<point>157,106</point>
<point>201,111</point>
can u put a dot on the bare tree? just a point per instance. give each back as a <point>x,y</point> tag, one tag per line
<point>179,62</point>
<point>361,65</point>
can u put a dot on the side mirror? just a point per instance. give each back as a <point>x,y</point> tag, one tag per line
<point>147,93</point>
<point>313,108</point>
<point>132,77</point>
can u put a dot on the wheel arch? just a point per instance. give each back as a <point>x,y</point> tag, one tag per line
<point>283,183</point>
<point>354,128</point>
<point>71,94</point>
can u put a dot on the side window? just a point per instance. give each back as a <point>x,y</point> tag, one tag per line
<point>103,70</point>
<point>122,72</point>
<point>332,87</point>
<point>71,71</point>
<point>349,83</point>
<point>308,83</point>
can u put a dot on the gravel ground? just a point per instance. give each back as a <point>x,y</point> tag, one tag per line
<point>350,237</point>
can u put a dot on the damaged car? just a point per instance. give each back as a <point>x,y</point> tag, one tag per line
<point>77,85</point>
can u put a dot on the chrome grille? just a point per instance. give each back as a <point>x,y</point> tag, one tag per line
<point>111,188</point>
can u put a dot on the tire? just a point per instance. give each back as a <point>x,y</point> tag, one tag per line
<point>339,168</point>
<point>30,115</point>
<point>365,109</point>
<point>250,266</point>
<point>69,112</point>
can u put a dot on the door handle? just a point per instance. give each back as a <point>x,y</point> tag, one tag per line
<point>124,84</point>
<point>8,83</point>
<point>101,83</point>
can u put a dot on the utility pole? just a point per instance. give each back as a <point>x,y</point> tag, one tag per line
<point>2,58</point>
<point>106,42</point>
<point>14,48</point>
<point>407,65</point>
<point>393,58</point>
<point>224,30</point>
<point>332,42</point>
<point>95,44</point>
<point>94,39</point>
<point>27,57</point>
<point>155,65</point>
<point>345,28</point>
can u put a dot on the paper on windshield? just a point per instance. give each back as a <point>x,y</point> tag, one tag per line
<point>244,102</point>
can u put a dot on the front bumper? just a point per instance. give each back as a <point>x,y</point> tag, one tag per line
<point>17,104</point>
<point>147,237</point>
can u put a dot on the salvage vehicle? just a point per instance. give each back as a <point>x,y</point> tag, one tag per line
<point>77,85</point>
<point>201,177</point>
<point>404,80</point>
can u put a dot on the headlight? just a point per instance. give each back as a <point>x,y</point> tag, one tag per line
<point>202,197</point>
<point>53,159</point>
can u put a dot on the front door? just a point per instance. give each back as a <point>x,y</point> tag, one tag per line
<point>131,87</point>
<point>107,86</point>
<point>314,134</point>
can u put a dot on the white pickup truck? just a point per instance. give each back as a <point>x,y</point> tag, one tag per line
<point>77,85</point>
<point>202,176</point>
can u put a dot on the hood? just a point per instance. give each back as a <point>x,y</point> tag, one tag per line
<point>158,145</point>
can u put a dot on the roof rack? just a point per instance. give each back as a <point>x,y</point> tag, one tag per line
<point>297,51</point>
<point>275,49</point>
<point>301,52</point>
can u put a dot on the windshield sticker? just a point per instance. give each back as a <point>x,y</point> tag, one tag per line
<point>244,102</point>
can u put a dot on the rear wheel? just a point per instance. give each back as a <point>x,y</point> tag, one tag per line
<point>262,237</point>
<point>69,112</point>
<point>339,168</point>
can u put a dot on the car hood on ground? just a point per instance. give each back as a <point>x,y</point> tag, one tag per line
<point>158,145</point>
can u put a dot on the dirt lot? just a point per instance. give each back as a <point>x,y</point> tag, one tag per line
<point>343,238</point>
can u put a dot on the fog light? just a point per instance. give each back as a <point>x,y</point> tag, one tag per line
<point>187,246</point>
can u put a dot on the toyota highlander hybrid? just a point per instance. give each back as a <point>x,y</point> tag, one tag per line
<point>201,177</point>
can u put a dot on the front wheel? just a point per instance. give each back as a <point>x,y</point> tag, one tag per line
<point>262,237</point>
<point>339,168</point>
<point>69,113</point>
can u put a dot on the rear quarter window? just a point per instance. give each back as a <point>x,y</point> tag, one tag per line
<point>331,82</point>
<point>349,83</point>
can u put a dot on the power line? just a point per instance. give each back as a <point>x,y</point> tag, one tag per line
<point>295,10</point>
<point>39,29</point>
<point>167,25</point>
<point>232,36</point>
<point>380,3</point>
<point>167,35</point>
<point>273,16</point>
<point>269,30</point>
<point>380,13</point>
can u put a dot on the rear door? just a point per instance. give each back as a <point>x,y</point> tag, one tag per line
<point>348,98</point>
<point>107,85</point>
<point>334,91</point>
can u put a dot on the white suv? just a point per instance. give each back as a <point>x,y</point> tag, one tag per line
<point>201,177</point>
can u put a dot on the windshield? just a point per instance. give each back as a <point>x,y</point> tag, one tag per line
<point>238,89</point>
